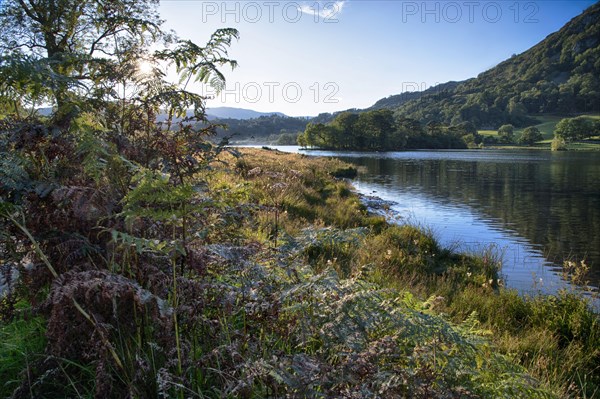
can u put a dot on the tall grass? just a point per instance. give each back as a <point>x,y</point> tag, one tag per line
<point>22,344</point>
<point>294,290</point>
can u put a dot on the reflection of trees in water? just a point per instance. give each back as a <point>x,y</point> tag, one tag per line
<point>554,203</point>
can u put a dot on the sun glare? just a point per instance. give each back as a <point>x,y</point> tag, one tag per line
<point>144,67</point>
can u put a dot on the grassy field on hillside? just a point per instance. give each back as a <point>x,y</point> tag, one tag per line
<point>546,125</point>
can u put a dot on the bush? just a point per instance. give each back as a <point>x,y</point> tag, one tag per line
<point>558,144</point>
<point>570,129</point>
<point>349,172</point>
<point>530,136</point>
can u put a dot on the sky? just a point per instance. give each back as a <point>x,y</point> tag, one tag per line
<point>303,58</point>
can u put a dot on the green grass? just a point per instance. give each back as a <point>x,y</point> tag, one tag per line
<point>546,125</point>
<point>557,339</point>
<point>583,146</point>
<point>22,344</point>
<point>298,291</point>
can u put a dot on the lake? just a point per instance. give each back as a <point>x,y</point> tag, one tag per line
<point>532,208</point>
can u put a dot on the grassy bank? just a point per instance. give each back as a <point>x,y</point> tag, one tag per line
<point>546,126</point>
<point>283,285</point>
<point>583,145</point>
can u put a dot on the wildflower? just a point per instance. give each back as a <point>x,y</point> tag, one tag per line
<point>469,274</point>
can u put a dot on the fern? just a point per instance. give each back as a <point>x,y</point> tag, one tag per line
<point>14,179</point>
<point>142,245</point>
<point>85,203</point>
<point>154,197</point>
<point>93,151</point>
<point>348,317</point>
<point>201,63</point>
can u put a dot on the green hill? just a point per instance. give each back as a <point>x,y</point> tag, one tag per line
<point>559,75</point>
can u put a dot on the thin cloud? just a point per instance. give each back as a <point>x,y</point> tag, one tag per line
<point>326,10</point>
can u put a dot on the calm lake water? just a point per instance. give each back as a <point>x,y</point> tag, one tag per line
<point>533,208</point>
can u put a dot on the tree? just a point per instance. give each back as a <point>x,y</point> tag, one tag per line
<point>571,129</point>
<point>467,128</point>
<point>376,126</point>
<point>596,127</point>
<point>77,44</point>
<point>75,53</point>
<point>406,129</point>
<point>317,135</point>
<point>489,140</point>
<point>506,134</point>
<point>558,144</point>
<point>100,180</point>
<point>346,124</point>
<point>470,140</point>
<point>467,132</point>
<point>516,109</point>
<point>530,136</point>
<point>435,128</point>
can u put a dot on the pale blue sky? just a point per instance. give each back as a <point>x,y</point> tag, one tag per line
<point>304,58</point>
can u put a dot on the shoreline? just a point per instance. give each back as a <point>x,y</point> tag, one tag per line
<point>381,207</point>
<point>294,277</point>
<point>540,264</point>
<point>485,148</point>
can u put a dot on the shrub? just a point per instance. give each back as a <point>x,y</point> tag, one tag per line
<point>558,144</point>
<point>530,136</point>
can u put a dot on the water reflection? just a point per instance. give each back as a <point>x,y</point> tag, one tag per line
<point>537,208</point>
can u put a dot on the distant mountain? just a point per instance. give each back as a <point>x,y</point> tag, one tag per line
<point>212,113</point>
<point>262,129</point>
<point>45,111</point>
<point>237,113</point>
<point>560,75</point>
<point>222,113</point>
